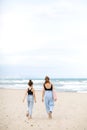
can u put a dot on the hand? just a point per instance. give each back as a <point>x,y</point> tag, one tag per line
<point>23,100</point>
<point>55,100</point>
<point>35,101</point>
<point>42,99</point>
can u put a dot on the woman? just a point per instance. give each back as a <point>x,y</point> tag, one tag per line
<point>30,93</point>
<point>47,95</point>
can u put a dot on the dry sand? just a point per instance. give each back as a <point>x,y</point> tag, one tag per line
<point>70,112</point>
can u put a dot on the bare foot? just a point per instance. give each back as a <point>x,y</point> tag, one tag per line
<point>29,117</point>
<point>27,114</point>
<point>50,115</point>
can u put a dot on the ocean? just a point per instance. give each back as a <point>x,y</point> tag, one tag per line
<point>61,85</point>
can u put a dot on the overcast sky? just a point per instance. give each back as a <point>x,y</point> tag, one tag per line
<point>43,38</point>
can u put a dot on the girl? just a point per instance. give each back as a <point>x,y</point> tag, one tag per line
<point>30,93</point>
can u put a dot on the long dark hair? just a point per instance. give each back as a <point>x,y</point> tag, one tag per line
<point>30,83</point>
<point>47,80</point>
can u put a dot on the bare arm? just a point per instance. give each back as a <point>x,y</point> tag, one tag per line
<point>43,92</point>
<point>53,87</point>
<point>25,95</point>
<point>54,93</point>
<point>34,95</point>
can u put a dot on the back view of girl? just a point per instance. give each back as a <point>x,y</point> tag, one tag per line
<point>30,93</point>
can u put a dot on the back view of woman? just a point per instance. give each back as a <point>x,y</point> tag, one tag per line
<point>47,96</point>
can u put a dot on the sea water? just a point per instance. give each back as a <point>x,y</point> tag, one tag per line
<point>61,85</point>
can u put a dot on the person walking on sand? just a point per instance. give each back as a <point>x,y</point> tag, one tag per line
<point>30,93</point>
<point>47,96</point>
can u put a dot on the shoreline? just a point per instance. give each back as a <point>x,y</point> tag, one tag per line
<point>84,92</point>
<point>70,112</point>
<point>62,85</point>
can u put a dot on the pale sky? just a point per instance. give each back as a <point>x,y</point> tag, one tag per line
<point>43,38</point>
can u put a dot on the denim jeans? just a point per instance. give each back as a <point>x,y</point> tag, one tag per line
<point>30,102</point>
<point>49,102</point>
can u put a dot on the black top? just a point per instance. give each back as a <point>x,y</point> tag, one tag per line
<point>30,92</point>
<point>48,89</point>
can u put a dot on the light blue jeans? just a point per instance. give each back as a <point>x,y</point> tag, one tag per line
<point>30,102</point>
<point>49,102</point>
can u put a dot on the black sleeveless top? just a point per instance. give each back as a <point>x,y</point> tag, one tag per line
<point>48,89</point>
<point>29,92</point>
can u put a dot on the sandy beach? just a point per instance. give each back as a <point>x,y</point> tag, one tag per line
<point>70,112</point>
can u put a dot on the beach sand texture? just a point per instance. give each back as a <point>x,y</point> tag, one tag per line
<point>70,112</point>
